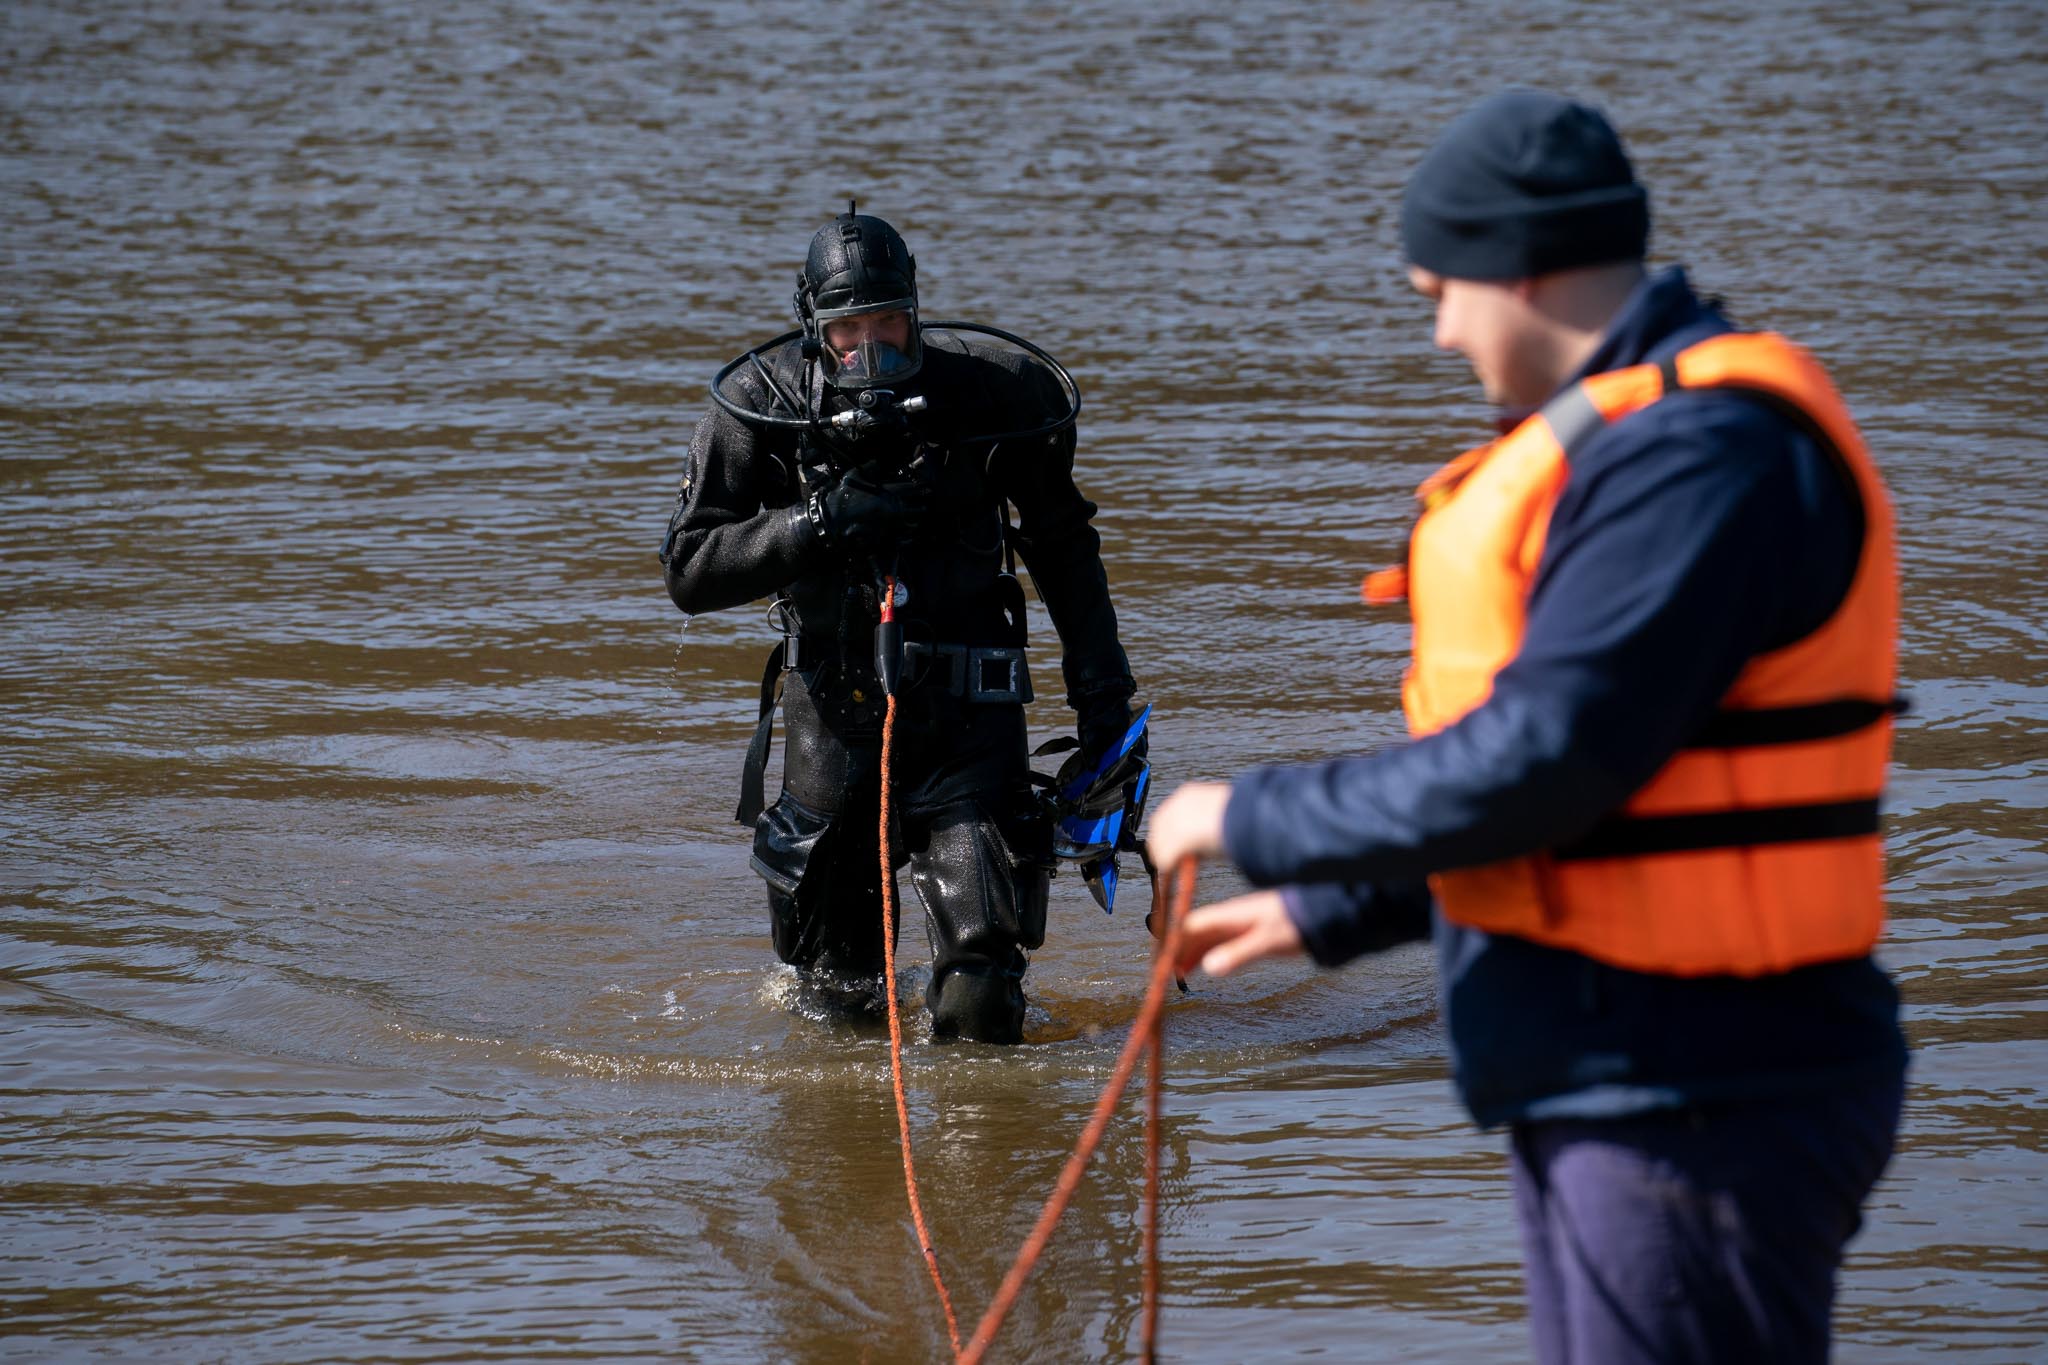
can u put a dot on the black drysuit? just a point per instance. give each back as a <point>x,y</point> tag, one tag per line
<point>978,849</point>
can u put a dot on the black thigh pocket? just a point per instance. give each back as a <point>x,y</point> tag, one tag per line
<point>785,837</point>
<point>983,879</point>
<point>1025,837</point>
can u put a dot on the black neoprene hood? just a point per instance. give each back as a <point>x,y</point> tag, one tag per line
<point>858,265</point>
<point>855,261</point>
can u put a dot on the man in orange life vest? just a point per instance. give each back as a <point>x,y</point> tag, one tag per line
<point>1650,701</point>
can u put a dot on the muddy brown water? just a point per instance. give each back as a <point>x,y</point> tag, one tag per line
<point>381,976</point>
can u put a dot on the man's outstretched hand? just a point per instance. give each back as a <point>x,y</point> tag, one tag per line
<point>1188,824</point>
<point>1222,937</point>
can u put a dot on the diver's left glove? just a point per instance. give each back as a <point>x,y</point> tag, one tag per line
<point>1101,726</point>
<point>861,512</point>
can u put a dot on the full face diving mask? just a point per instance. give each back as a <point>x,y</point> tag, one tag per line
<point>869,346</point>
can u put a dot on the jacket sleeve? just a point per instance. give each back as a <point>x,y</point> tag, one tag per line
<point>1059,544</point>
<point>1680,548</point>
<point>1338,921</point>
<point>735,534</point>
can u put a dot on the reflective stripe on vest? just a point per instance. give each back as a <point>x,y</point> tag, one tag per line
<point>1755,848</point>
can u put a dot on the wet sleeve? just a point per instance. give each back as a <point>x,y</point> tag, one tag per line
<point>1673,560</point>
<point>726,543</point>
<point>1059,544</point>
<point>1339,921</point>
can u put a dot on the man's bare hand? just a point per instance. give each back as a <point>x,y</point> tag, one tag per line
<point>1190,823</point>
<point>1222,937</point>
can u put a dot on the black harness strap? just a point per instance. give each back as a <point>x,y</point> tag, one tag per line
<point>1793,724</point>
<point>754,774</point>
<point>1634,836</point>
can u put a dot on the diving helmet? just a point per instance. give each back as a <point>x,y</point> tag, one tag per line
<point>857,302</point>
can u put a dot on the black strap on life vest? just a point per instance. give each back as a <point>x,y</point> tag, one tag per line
<point>1626,836</point>
<point>1793,724</point>
<point>1634,836</point>
<point>753,776</point>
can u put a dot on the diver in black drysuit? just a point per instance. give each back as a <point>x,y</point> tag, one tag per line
<point>817,516</point>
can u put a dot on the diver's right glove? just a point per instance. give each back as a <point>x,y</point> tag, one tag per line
<point>862,512</point>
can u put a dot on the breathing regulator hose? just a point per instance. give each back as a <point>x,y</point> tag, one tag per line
<point>797,413</point>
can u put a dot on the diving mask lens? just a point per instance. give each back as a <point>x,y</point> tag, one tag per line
<point>870,348</point>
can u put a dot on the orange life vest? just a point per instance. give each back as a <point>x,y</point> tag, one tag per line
<point>1755,848</point>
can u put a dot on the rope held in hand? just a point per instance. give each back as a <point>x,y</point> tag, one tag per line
<point>1146,1032</point>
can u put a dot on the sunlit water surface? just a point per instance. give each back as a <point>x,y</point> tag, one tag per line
<point>381,975</point>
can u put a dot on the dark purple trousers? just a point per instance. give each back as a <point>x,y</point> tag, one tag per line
<point>1696,1235</point>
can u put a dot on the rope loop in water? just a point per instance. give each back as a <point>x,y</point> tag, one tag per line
<point>1172,898</point>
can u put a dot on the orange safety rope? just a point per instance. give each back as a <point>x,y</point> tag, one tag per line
<point>924,1236</point>
<point>1155,1082</point>
<point>1148,1032</point>
<point>1145,1032</point>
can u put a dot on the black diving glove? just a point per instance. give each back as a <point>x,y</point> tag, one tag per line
<point>1102,725</point>
<point>864,512</point>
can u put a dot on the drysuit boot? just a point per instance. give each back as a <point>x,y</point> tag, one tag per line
<point>980,1004</point>
<point>983,906</point>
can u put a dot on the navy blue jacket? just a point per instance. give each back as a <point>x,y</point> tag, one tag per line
<point>1699,533</point>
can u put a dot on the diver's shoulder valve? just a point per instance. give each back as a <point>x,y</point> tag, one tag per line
<point>1096,811</point>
